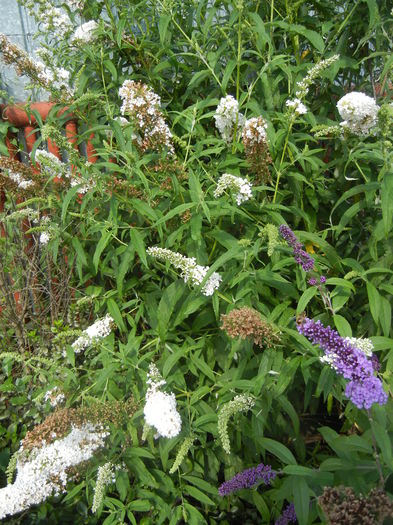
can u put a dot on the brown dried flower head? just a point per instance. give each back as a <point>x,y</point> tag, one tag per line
<point>256,148</point>
<point>18,177</point>
<point>142,105</point>
<point>247,323</point>
<point>58,424</point>
<point>341,506</point>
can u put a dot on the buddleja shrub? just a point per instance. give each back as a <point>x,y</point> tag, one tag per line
<point>226,353</point>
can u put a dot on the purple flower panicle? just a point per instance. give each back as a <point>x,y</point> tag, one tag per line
<point>363,388</point>
<point>247,479</point>
<point>301,256</point>
<point>322,279</point>
<point>312,281</point>
<point>288,516</point>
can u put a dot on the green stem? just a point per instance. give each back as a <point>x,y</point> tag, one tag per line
<point>376,454</point>
<point>239,52</point>
<point>282,158</point>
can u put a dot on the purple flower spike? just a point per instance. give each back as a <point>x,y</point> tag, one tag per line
<point>363,389</point>
<point>247,479</point>
<point>288,516</point>
<point>301,256</point>
<point>312,281</point>
<point>322,279</point>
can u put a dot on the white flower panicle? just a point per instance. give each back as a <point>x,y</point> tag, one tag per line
<point>58,78</point>
<point>359,112</point>
<point>315,72</point>
<point>192,273</point>
<point>296,106</point>
<point>143,106</point>
<point>228,118</point>
<point>43,472</point>
<point>101,328</point>
<point>85,33</point>
<point>54,396</point>
<point>84,185</point>
<point>51,19</point>
<point>44,238</point>
<point>51,164</point>
<point>254,131</point>
<point>105,477</point>
<point>241,187</point>
<point>19,180</point>
<point>160,408</point>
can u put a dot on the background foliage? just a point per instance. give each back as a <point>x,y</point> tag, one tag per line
<point>336,193</point>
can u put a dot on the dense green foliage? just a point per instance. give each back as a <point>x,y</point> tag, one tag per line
<point>334,189</point>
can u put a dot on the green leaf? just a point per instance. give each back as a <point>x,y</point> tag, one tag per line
<point>139,245</point>
<point>305,299</point>
<point>387,202</point>
<point>374,300</point>
<point>163,28</point>
<point>342,325</point>
<point>298,470</point>
<point>301,499</point>
<point>278,449</point>
<point>198,495</point>
<point>111,68</point>
<point>385,315</point>
<point>73,492</point>
<point>383,442</point>
<point>168,301</point>
<point>67,200</point>
<point>173,359</point>
<point>202,484</point>
<point>141,505</point>
<point>127,258</point>
<point>115,313</point>
<point>105,236</point>
<point>176,211</point>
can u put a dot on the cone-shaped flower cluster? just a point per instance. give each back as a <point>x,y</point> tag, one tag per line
<point>364,388</point>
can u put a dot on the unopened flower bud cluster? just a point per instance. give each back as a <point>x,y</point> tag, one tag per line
<point>303,87</point>
<point>192,273</point>
<point>142,105</point>
<point>296,105</point>
<point>241,403</point>
<point>160,408</point>
<point>24,213</point>
<point>240,187</point>
<point>105,477</point>
<point>182,453</point>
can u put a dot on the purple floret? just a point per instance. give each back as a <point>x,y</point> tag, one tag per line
<point>247,479</point>
<point>363,388</point>
<point>288,516</point>
<point>301,256</point>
